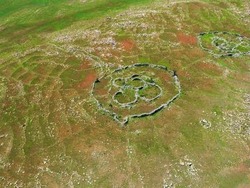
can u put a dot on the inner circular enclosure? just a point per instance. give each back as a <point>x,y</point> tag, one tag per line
<point>150,92</point>
<point>136,91</point>
<point>136,82</point>
<point>125,97</point>
<point>118,82</point>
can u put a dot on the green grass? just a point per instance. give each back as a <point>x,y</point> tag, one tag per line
<point>63,122</point>
<point>120,82</point>
<point>49,21</point>
<point>234,180</point>
<point>126,97</point>
<point>207,37</point>
<point>149,92</point>
<point>135,83</point>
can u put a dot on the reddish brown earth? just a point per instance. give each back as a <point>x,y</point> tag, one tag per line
<point>76,128</point>
<point>63,132</point>
<point>184,73</point>
<point>211,68</point>
<point>88,80</point>
<point>27,78</point>
<point>195,53</point>
<point>128,44</point>
<point>205,84</point>
<point>85,65</point>
<point>186,39</point>
<point>241,77</point>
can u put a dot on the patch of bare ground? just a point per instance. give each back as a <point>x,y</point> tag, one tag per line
<point>128,44</point>
<point>187,39</point>
<point>88,81</point>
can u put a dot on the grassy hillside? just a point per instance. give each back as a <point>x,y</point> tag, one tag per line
<point>54,130</point>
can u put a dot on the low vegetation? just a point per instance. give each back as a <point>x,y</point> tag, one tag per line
<point>64,70</point>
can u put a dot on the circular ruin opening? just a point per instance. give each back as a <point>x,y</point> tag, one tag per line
<point>136,91</point>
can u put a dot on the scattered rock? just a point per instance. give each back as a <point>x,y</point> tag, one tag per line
<point>205,123</point>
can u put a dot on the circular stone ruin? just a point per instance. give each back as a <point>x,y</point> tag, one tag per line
<point>223,44</point>
<point>136,91</point>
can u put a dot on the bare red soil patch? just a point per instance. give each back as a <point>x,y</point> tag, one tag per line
<point>186,39</point>
<point>87,82</point>
<point>128,44</point>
